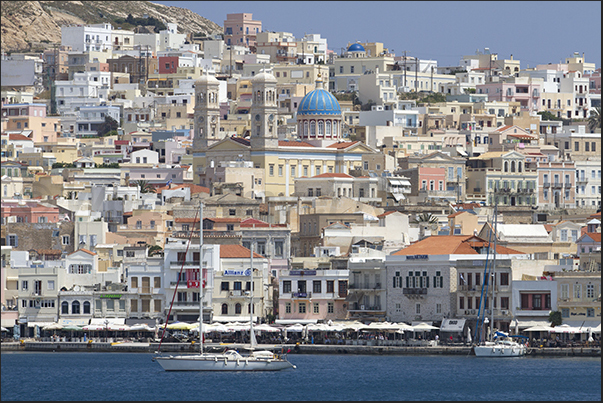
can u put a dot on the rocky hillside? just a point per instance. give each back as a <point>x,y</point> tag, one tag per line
<point>35,25</point>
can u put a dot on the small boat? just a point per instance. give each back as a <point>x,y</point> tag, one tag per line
<point>502,346</point>
<point>229,360</point>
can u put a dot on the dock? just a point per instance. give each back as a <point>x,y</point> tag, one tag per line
<point>136,347</point>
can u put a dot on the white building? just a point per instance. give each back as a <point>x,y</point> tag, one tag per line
<point>84,38</point>
<point>83,90</point>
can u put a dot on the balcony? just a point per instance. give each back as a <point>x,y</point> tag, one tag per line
<point>582,180</point>
<point>301,295</point>
<point>414,291</point>
<point>557,185</point>
<point>186,263</point>
<point>546,185</point>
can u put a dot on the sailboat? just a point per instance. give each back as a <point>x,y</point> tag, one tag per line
<point>229,360</point>
<point>500,344</point>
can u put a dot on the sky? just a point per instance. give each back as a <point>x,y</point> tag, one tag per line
<point>534,32</point>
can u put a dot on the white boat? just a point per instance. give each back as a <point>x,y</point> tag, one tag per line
<point>230,360</point>
<point>501,344</point>
<point>500,348</point>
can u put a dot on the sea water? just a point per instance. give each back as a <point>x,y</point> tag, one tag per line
<point>66,376</point>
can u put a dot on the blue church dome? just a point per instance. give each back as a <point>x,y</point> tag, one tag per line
<point>356,47</point>
<point>319,102</point>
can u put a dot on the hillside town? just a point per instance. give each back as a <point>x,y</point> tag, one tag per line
<point>148,177</point>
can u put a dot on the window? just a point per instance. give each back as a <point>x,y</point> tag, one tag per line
<point>280,170</point>
<point>302,307</point>
<point>418,309</point>
<point>65,240</point>
<point>565,313</point>
<point>316,308</point>
<point>577,291</point>
<point>504,279</point>
<point>316,287</point>
<point>330,307</point>
<point>590,291</point>
<point>232,212</point>
<point>271,169</point>
<point>278,249</point>
<point>224,286</point>
<point>590,312</point>
<point>287,307</point>
<point>286,286</point>
<point>331,286</point>
<point>64,307</point>
<point>75,307</point>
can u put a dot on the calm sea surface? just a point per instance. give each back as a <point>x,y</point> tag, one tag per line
<point>133,376</point>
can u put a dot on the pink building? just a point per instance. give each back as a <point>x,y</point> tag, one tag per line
<point>594,81</point>
<point>241,30</point>
<point>31,212</point>
<point>31,117</point>
<point>557,185</point>
<point>520,89</point>
<point>432,178</point>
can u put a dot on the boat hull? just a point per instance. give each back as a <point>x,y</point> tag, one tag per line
<point>220,363</point>
<point>500,351</point>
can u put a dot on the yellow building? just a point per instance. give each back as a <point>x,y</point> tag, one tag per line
<point>319,149</point>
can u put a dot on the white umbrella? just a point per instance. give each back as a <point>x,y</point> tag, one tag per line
<point>266,328</point>
<point>469,339</point>
<point>141,327</point>
<point>424,327</point>
<point>53,326</point>
<point>565,328</point>
<point>539,328</point>
<point>590,335</point>
<point>297,328</point>
<point>597,329</point>
<point>93,328</point>
<point>116,327</point>
<point>4,329</point>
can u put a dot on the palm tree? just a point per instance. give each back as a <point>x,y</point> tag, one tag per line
<point>155,250</point>
<point>594,121</point>
<point>144,186</point>
<point>425,220</point>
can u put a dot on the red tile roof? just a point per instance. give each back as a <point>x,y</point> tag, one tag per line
<point>241,140</point>
<point>18,137</point>
<point>236,251</point>
<point>223,219</point>
<point>450,245</point>
<point>386,213</point>
<point>194,188</point>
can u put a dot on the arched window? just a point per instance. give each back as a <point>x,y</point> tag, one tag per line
<point>75,307</point>
<point>224,309</point>
<point>506,166</point>
<point>237,308</point>
<point>305,128</point>
<point>65,307</point>
<point>313,128</point>
<point>512,166</point>
<point>321,128</point>
<point>335,125</point>
<point>87,307</point>
<point>519,166</point>
<point>300,129</point>
<point>328,129</point>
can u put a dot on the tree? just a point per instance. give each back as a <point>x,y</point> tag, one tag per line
<point>109,125</point>
<point>546,115</point>
<point>144,186</point>
<point>425,220</point>
<point>155,250</point>
<point>555,318</point>
<point>594,120</point>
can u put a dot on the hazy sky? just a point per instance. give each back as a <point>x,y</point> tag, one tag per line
<point>534,32</point>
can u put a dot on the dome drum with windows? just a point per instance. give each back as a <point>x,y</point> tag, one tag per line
<point>319,115</point>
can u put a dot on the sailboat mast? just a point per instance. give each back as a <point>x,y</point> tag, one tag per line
<point>493,281</point>
<point>201,285</point>
<point>251,334</point>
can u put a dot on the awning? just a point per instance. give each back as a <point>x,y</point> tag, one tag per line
<point>584,324</point>
<point>398,196</point>
<point>134,321</point>
<point>39,324</point>
<point>524,324</point>
<point>399,181</point>
<point>73,322</point>
<point>453,325</point>
<point>233,318</point>
<point>294,321</point>
<point>112,321</point>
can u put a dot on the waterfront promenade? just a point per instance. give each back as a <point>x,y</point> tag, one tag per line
<point>131,347</point>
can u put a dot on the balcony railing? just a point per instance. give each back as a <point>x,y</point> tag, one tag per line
<point>546,185</point>
<point>414,291</point>
<point>301,295</point>
<point>567,185</point>
<point>557,185</point>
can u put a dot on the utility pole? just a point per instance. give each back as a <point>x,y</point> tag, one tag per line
<point>404,69</point>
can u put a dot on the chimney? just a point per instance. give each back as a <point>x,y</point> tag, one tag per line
<point>511,56</point>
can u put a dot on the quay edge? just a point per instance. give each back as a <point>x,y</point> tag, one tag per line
<point>31,346</point>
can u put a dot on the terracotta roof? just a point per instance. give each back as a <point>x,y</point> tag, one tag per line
<point>450,245</point>
<point>83,250</point>
<point>343,144</point>
<point>595,236</point>
<point>186,219</point>
<point>457,213</point>
<point>386,213</point>
<point>286,143</point>
<point>18,137</point>
<point>48,251</point>
<point>502,128</point>
<point>236,251</point>
<point>548,227</point>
